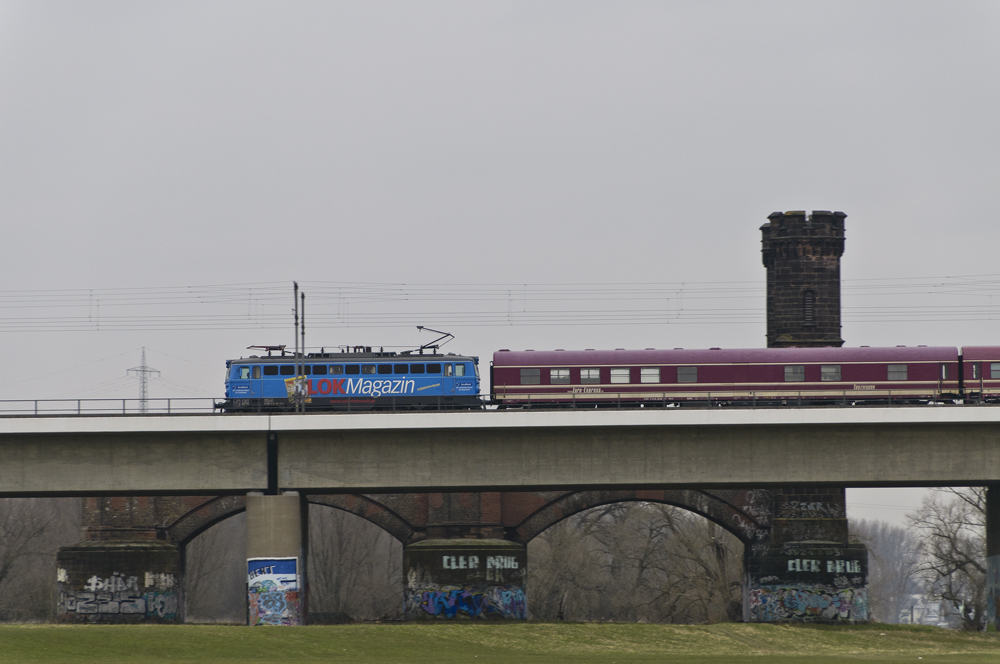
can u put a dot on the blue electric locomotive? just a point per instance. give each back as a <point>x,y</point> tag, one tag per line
<point>354,379</point>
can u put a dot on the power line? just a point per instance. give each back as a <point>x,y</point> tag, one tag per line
<point>360,304</point>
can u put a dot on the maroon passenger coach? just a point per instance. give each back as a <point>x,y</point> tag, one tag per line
<point>904,374</point>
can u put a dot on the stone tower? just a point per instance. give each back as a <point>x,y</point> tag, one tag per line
<point>802,256</point>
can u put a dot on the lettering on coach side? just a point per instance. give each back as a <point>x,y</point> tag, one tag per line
<point>349,386</point>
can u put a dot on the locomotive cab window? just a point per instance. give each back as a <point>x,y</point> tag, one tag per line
<point>531,376</point>
<point>559,376</point>
<point>687,374</point>
<point>649,375</point>
<point>829,372</point>
<point>459,369</point>
<point>590,376</point>
<point>244,373</point>
<point>620,375</point>
<point>897,372</point>
<point>795,373</point>
<point>994,370</point>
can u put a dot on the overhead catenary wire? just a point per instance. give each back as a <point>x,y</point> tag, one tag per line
<point>363,304</point>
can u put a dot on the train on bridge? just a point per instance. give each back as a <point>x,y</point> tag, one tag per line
<point>360,378</point>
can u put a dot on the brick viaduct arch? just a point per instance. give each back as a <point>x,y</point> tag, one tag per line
<point>522,515</point>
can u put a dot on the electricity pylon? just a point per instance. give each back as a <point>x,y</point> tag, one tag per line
<point>143,373</point>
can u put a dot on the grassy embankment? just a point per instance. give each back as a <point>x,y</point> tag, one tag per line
<point>494,643</point>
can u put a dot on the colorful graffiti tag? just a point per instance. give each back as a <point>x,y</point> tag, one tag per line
<point>120,594</point>
<point>273,591</point>
<point>819,603</point>
<point>457,601</point>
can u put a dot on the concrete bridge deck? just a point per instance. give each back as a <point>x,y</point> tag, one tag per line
<point>490,451</point>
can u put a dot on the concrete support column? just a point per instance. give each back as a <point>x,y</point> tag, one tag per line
<point>455,579</point>
<point>276,564</point>
<point>993,558</point>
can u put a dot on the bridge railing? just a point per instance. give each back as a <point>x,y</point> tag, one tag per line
<point>63,407</point>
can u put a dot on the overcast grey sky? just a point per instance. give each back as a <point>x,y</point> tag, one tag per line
<point>503,146</point>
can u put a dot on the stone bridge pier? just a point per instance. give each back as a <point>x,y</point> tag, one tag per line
<point>993,558</point>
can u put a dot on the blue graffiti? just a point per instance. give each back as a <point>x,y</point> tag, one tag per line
<point>452,601</point>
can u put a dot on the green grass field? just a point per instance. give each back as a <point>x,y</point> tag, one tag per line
<point>489,643</point>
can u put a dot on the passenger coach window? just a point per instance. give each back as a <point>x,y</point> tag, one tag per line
<point>620,375</point>
<point>367,368</point>
<point>319,369</point>
<point>352,368</point>
<point>687,374</point>
<point>897,372</point>
<point>416,368</point>
<point>795,372</point>
<point>244,373</point>
<point>337,369</point>
<point>434,368</point>
<point>271,371</point>
<point>829,372</point>
<point>256,372</point>
<point>590,376</point>
<point>649,375</point>
<point>559,376</point>
<point>531,376</point>
<point>994,369</point>
<point>385,368</point>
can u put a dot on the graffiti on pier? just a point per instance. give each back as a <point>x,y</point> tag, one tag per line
<point>458,601</point>
<point>799,509</point>
<point>119,594</point>
<point>273,591</point>
<point>815,603</point>
<point>993,593</point>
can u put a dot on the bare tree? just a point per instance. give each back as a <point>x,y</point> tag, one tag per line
<point>215,574</point>
<point>355,568</point>
<point>894,566</point>
<point>953,528</point>
<point>31,531</point>
<point>636,562</point>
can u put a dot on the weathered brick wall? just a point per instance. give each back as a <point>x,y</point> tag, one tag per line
<point>802,255</point>
<point>119,582</point>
